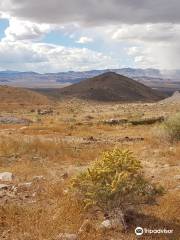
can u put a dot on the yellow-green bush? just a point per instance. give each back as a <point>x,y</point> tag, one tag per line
<point>115,181</point>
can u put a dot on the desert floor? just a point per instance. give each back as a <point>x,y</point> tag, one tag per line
<point>45,154</point>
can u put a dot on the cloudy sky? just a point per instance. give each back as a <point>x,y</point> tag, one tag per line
<point>63,35</point>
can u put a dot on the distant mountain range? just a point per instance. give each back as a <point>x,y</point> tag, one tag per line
<point>166,80</point>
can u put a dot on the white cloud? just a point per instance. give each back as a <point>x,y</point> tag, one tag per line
<point>26,30</point>
<point>150,30</point>
<point>151,45</point>
<point>43,57</point>
<point>84,40</point>
<point>160,55</point>
<point>147,32</point>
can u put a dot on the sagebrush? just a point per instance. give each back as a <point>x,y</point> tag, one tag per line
<point>114,181</point>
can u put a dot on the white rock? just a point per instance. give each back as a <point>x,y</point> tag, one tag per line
<point>106,224</point>
<point>6,176</point>
<point>114,223</point>
<point>66,236</point>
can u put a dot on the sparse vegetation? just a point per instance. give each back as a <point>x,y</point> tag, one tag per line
<point>115,181</point>
<point>170,129</point>
<point>147,121</point>
<point>59,147</point>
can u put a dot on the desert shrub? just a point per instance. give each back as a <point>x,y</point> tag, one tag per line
<point>147,121</point>
<point>171,128</point>
<point>114,181</point>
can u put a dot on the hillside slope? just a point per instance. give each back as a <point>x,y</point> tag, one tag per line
<point>13,95</point>
<point>175,99</point>
<point>111,87</point>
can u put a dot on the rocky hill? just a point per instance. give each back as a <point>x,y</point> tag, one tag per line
<point>111,87</point>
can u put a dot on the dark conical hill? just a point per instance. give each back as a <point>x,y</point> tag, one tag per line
<point>111,87</point>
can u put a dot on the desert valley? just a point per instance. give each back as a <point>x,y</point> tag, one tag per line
<point>49,136</point>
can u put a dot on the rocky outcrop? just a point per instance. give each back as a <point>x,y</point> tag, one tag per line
<point>13,120</point>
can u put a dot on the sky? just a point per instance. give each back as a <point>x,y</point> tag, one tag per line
<point>80,35</point>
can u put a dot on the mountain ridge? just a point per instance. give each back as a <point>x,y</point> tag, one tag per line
<point>150,77</point>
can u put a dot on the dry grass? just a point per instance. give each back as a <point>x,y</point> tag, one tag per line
<point>40,149</point>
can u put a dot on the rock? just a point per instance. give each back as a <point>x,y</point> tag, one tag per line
<point>4,186</point>
<point>115,121</point>
<point>45,111</point>
<point>113,223</point>
<point>14,120</point>
<point>38,178</point>
<point>106,224</point>
<point>67,236</point>
<point>6,176</point>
